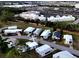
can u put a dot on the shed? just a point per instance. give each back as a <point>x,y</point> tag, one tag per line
<point>56,35</point>
<point>37,32</point>
<point>63,54</point>
<point>32,45</point>
<point>44,50</point>
<point>68,39</point>
<point>29,30</point>
<point>45,34</point>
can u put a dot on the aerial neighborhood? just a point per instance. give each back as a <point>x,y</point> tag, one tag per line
<point>36,29</point>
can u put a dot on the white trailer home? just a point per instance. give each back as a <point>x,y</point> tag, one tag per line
<point>12,31</point>
<point>29,30</point>
<point>44,50</point>
<point>12,27</point>
<point>37,32</point>
<point>45,34</point>
<point>68,39</point>
<point>63,54</point>
<point>32,45</point>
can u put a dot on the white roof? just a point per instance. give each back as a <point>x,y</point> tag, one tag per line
<point>77,5</point>
<point>42,18</point>
<point>32,44</point>
<point>63,18</point>
<point>43,49</point>
<point>12,30</point>
<point>29,29</point>
<point>37,31</point>
<point>12,27</point>
<point>31,16</point>
<point>68,37</point>
<point>16,6</point>
<point>63,54</point>
<point>45,33</point>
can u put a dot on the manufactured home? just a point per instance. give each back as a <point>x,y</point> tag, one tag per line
<point>44,50</point>
<point>29,30</point>
<point>56,35</point>
<point>45,34</point>
<point>37,32</point>
<point>68,39</point>
<point>32,45</point>
<point>12,31</point>
<point>63,54</point>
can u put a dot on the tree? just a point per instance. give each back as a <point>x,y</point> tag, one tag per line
<point>6,15</point>
<point>13,53</point>
<point>3,44</point>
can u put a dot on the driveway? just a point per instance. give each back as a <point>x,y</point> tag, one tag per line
<point>75,52</point>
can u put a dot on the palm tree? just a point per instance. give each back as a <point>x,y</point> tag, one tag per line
<point>3,45</point>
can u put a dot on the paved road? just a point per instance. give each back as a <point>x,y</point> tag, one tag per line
<point>75,52</point>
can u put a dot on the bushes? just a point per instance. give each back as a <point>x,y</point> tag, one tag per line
<point>61,25</point>
<point>73,27</point>
<point>64,25</point>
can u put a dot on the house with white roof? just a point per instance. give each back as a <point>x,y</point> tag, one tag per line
<point>68,39</point>
<point>37,32</point>
<point>12,31</point>
<point>63,54</point>
<point>32,45</point>
<point>42,18</point>
<point>44,50</point>
<point>45,34</point>
<point>29,30</point>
